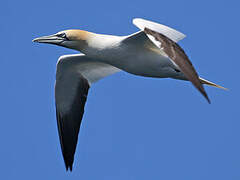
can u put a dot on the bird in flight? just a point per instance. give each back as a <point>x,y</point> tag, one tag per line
<point>151,52</point>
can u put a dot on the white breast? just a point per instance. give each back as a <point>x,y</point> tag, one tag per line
<point>139,58</point>
<point>143,62</point>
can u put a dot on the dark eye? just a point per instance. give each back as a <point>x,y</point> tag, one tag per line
<point>62,35</point>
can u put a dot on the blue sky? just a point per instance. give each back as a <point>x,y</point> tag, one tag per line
<point>134,128</point>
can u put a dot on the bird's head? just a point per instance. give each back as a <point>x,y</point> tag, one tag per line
<point>73,39</point>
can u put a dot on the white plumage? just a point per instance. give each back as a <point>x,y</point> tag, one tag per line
<point>151,52</point>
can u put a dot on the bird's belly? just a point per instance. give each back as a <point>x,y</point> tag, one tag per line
<point>144,63</point>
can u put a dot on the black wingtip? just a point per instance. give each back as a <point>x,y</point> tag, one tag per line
<point>68,167</point>
<point>68,164</point>
<point>209,102</point>
<point>206,96</point>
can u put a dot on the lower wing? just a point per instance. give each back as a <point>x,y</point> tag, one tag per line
<point>75,74</point>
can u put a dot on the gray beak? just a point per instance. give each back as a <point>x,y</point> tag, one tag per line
<point>52,39</point>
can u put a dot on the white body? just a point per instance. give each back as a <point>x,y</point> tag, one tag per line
<point>138,56</point>
<point>151,52</point>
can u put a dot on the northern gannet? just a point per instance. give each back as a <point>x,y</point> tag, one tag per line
<point>151,52</point>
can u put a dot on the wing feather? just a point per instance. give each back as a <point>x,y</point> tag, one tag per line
<point>167,31</point>
<point>75,73</point>
<point>179,57</point>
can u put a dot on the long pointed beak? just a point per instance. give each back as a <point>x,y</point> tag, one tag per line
<point>52,39</point>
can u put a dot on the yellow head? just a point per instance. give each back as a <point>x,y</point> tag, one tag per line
<point>73,39</point>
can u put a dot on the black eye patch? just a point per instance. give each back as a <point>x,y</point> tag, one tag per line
<point>62,35</point>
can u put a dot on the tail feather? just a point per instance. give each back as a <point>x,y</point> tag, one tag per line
<point>203,81</point>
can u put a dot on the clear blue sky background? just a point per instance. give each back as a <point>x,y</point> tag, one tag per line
<point>134,128</point>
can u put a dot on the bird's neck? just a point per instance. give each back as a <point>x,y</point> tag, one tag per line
<point>97,44</point>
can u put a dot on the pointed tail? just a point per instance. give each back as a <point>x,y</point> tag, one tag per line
<point>203,81</point>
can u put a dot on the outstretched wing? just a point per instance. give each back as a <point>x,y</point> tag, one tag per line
<point>165,38</point>
<point>167,31</point>
<point>75,74</point>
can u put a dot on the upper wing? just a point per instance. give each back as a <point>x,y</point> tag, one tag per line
<point>166,39</point>
<point>74,76</point>
<point>167,31</point>
<point>178,56</point>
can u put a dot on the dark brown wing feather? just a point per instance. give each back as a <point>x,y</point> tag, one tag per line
<point>178,56</point>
